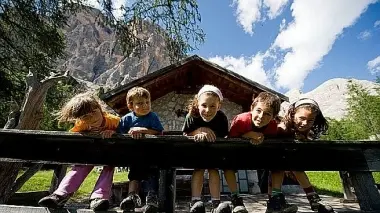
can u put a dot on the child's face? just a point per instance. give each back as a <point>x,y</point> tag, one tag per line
<point>303,119</point>
<point>141,106</point>
<point>208,106</point>
<point>261,115</point>
<point>93,119</point>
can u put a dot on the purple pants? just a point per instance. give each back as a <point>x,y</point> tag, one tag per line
<point>73,179</point>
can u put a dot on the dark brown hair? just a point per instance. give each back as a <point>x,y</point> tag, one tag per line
<point>320,125</point>
<point>270,100</point>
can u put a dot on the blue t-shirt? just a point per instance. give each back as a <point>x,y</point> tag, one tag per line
<point>130,120</point>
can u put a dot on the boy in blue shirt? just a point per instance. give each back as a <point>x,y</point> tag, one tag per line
<point>138,122</point>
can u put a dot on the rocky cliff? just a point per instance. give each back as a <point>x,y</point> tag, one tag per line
<point>89,47</point>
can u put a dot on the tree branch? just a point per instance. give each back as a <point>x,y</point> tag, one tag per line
<point>31,78</point>
<point>54,78</point>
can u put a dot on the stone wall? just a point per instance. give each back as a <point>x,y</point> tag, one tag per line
<point>166,106</point>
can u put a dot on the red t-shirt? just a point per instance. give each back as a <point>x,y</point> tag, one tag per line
<point>242,124</point>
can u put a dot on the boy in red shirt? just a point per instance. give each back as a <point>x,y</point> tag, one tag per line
<point>255,125</point>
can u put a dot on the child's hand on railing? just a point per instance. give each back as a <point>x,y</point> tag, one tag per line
<point>199,137</point>
<point>209,134</point>
<point>301,137</point>
<point>256,141</point>
<point>107,133</point>
<point>255,137</point>
<point>136,132</point>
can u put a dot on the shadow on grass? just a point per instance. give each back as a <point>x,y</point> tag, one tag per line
<point>328,192</point>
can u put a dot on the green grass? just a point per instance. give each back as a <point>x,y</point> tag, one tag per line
<point>41,182</point>
<point>325,183</point>
<point>328,183</point>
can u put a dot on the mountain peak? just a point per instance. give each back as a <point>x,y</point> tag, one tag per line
<point>331,95</point>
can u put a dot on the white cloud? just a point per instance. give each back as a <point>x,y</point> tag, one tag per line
<point>376,24</point>
<point>249,12</point>
<point>275,7</point>
<point>251,68</point>
<point>283,24</point>
<point>311,35</point>
<point>364,35</point>
<point>116,4</point>
<point>374,65</point>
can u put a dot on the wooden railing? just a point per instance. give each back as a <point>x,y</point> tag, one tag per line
<point>168,152</point>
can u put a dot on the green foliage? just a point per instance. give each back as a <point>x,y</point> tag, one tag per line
<point>55,99</point>
<point>363,118</point>
<point>364,108</point>
<point>31,39</point>
<point>177,21</point>
<point>344,129</point>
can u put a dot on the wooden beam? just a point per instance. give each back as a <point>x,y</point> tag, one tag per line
<point>178,151</point>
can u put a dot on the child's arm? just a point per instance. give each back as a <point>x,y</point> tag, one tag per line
<point>107,133</point>
<point>143,130</point>
<point>302,136</point>
<point>113,123</point>
<point>203,134</point>
<point>255,137</point>
<point>200,133</point>
<point>238,129</point>
<point>154,128</point>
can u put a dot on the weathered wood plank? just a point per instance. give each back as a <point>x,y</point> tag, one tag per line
<point>30,198</point>
<point>349,196</point>
<point>366,191</point>
<point>167,190</point>
<point>373,158</point>
<point>178,151</point>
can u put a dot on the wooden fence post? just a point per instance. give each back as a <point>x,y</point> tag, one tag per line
<point>349,196</point>
<point>366,191</point>
<point>167,190</point>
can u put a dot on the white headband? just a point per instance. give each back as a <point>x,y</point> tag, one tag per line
<point>304,101</point>
<point>210,88</point>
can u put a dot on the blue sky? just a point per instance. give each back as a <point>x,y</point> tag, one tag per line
<point>296,44</point>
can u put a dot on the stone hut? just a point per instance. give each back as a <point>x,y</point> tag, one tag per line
<point>174,86</point>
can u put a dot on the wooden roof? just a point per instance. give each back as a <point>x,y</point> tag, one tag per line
<point>188,76</point>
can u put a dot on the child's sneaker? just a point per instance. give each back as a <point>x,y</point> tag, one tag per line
<point>131,202</point>
<point>99,204</point>
<point>317,205</point>
<point>197,206</point>
<point>151,205</point>
<point>237,204</point>
<point>278,204</point>
<point>218,207</point>
<point>53,201</point>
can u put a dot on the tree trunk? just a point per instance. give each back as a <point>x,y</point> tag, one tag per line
<point>30,118</point>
